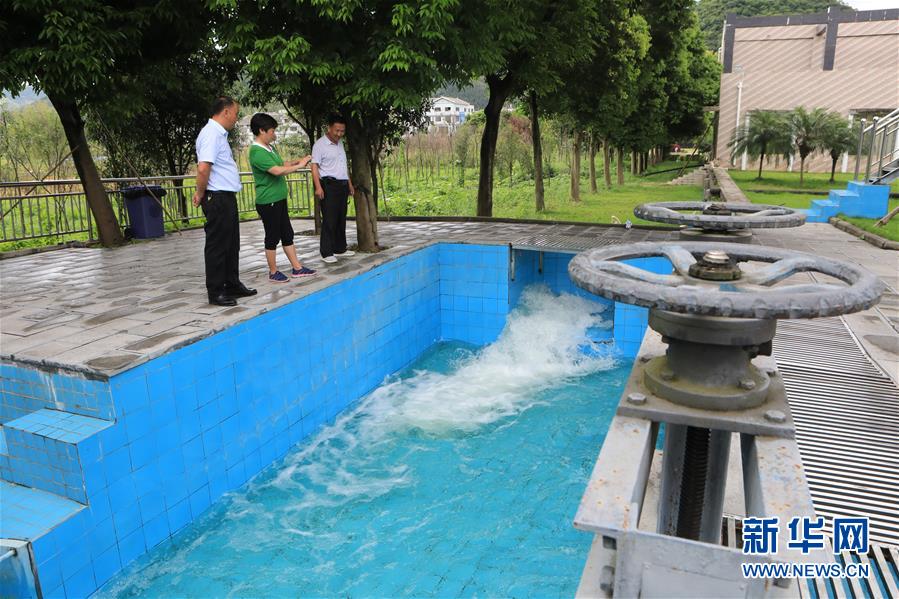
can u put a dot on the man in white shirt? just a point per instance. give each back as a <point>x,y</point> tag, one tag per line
<point>333,187</point>
<point>218,182</point>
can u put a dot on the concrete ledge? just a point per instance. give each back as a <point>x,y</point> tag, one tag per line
<point>872,238</point>
<point>730,191</point>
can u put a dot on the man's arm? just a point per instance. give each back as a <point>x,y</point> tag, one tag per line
<point>203,170</point>
<point>317,182</point>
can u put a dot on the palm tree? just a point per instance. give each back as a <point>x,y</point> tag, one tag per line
<point>836,138</point>
<point>766,134</point>
<point>806,130</point>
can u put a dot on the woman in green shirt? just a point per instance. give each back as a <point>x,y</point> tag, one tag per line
<point>271,196</point>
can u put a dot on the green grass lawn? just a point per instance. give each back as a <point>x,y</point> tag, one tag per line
<point>444,197</point>
<point>781,181</point>
<point>889,231</point>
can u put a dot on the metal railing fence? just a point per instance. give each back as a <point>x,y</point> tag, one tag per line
<point>58,208</point>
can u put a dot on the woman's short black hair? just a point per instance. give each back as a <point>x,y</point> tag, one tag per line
<point>262,122</point>
<point>336,118</point>
<point>221,103</point>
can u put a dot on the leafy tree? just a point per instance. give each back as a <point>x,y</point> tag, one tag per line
<point>520,46</point>
<point>603,99</point>
<point>376,62</point>
<point>32,143</point>
<point>768,133</point>
<point>837,137</point>
<point>80,53</point>
<point>711,13</point>
<point>807,133</point>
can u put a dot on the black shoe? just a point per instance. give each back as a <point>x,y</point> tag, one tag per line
<point>239,290</point>
<point>220,299</point>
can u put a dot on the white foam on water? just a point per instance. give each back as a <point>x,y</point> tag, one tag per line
<point>539,348</point>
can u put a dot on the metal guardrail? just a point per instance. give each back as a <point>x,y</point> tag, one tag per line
<point>879,141</point>
<point>57,208</point>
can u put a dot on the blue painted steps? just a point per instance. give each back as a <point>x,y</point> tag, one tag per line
<point>862,200</point>
<point>49,449</point>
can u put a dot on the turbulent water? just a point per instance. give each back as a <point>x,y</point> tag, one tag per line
<point>459,476</point>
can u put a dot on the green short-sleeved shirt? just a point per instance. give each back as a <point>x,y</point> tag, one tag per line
<point>269,188</point>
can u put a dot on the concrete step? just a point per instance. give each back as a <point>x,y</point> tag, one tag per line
<point>63,554</point>
<point>46,450</point>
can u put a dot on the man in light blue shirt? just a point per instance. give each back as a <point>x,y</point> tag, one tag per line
<point>218,182</point>
<point>333,187</point>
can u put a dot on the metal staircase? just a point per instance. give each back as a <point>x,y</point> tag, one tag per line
<point>878,145</point>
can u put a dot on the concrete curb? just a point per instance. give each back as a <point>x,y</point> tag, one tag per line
<point>872,238</point>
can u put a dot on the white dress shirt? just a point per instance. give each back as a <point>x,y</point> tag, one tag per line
<point>330,158</point>
<point>212,147</point>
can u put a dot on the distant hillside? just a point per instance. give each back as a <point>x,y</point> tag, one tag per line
<point>476,93</point>
<point>711,12</point>
<point>27,96</point>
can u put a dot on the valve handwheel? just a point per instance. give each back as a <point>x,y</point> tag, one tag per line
<point>719,216</point>
<point>707,280</point>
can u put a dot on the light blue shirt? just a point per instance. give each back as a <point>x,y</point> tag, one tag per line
<point>212,147</point>
<point>330,158</point>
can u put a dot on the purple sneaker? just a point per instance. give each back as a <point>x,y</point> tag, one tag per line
<point>296,273</point>
<point>278,277</point>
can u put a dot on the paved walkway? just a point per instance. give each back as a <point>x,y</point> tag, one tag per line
<point>104,311</point>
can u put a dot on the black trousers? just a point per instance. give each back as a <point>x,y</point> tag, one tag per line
<point>334,206</point>
<point>276,222</point>
<point>222,240</point>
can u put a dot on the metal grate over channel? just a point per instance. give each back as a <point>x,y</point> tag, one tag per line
<point>847,423</point>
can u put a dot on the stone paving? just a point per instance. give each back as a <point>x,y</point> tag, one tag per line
<point>103,311</point>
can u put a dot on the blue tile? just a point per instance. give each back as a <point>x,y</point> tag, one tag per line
<point>72,559</point>
<point>102,536</point>
<point>199,501</point>
<point>178,516</point>
<point>142,451</point>
<point>127,520</point>
<point>131,546</point>
<point>82,583</point>
<point>106,565</point>
<point>156,530</point>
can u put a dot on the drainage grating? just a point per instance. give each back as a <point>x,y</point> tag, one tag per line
<point>562,243</point>
<point>847,423</point>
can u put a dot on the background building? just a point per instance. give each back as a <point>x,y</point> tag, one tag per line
<point>447,113</point>
<point>846,62</point>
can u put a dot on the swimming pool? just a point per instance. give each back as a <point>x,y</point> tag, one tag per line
<point>460,475</point>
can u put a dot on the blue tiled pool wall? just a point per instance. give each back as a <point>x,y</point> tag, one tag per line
<point>25,390</point>
<point>629,322</point>
<point>227,406</point>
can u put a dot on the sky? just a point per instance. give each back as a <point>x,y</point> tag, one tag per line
<point>872,4</point>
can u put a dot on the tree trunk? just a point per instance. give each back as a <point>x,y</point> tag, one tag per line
<point>364,201</point>
<point>619,158</point>
<point>761,162</point>
<point>833,166</point>
<point>634,163</point>
<point>499,91</point>
<point>592,164</point>
<point>101,208</point>
<point>607,164</point>
<point>576,168</point>
<point>406,161</point>
<point>801,170</point>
